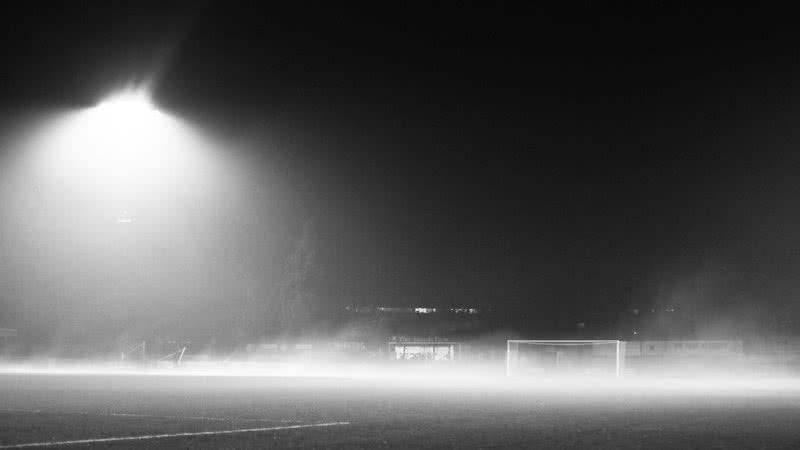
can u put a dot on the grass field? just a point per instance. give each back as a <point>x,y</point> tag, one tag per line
<point>280,412</point>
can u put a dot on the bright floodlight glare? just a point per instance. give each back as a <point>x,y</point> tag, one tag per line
<point>124,145</point>
<point>127,107</point>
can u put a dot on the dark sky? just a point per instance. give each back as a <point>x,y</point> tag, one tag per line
<point>584,159</point>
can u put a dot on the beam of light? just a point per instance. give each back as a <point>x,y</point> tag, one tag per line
<point>110,205</point>
<point>124,146</point>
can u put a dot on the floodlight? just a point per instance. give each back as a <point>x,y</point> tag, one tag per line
<point>124,154</point>
<point>123,144</point>
<point>127,107</point>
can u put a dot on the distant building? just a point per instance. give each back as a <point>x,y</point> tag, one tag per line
<point>424,349</point>
<point>702,349</point>
<point>429,332</point>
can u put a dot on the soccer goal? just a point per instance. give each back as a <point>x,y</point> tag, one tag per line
<point>565,357</point>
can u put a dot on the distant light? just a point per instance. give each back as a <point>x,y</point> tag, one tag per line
<point>124,218</point>
<point>391,309</point>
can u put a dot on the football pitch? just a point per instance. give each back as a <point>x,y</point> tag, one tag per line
<point>146,411</point>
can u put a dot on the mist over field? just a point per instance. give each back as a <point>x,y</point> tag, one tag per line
<point>247,226</point>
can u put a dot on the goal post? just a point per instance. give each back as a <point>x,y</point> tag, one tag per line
<point>565,357</point>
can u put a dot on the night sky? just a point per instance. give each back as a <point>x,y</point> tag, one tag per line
<point>557,163</point>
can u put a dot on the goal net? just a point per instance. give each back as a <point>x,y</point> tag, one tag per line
<point>565,357</point>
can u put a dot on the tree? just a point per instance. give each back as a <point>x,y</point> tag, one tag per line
<point>295,291</point>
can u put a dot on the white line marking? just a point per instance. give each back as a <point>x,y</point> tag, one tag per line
<point>171,435</point>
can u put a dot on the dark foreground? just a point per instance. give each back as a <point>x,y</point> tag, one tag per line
<point>170,410</point>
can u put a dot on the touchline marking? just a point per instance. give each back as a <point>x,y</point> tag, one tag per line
<point>171,435</point>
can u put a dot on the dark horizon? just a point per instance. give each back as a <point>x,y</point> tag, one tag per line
<point>560,165</point>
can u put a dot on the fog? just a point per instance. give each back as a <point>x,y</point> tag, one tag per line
<point>469,378</point>
<point>126,225</point>
<point>111,229</point>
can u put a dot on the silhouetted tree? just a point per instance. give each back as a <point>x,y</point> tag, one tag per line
<point>295,292</point>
